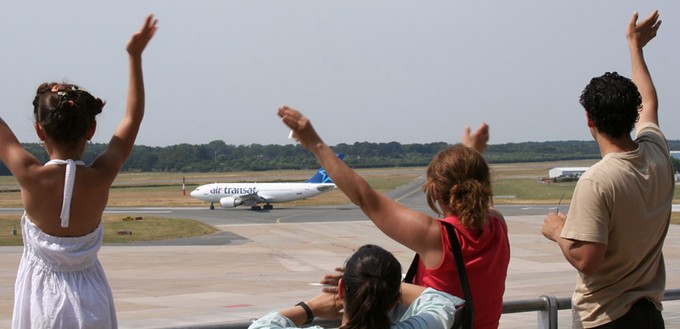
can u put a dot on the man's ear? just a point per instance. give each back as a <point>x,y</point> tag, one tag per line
<point>591,124</point>
<point>39,131</point>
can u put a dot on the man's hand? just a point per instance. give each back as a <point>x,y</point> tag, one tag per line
<point>638,34</point>
<point>552,226</point>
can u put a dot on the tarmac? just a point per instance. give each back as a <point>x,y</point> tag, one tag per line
<point>259,267</point>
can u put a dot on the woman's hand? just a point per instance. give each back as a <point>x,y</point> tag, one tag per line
<point>326,306</point>
<point>330,281</point>
<point>300,126</point>
<point>478,139</point>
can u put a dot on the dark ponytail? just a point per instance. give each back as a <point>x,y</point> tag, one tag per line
<point>372,280</point>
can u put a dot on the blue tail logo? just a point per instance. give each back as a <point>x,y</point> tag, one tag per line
<point>321,176</point>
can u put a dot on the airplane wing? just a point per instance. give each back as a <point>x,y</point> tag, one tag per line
<point>250,199</point>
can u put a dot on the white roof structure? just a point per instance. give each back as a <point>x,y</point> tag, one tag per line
<point>566,171</point>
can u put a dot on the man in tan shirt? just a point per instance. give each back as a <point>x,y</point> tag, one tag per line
<point>620,211</point>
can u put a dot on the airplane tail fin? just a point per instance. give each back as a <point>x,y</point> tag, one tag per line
<point>320,176</point>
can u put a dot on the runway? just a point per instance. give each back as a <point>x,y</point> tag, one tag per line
<point>409,195</point>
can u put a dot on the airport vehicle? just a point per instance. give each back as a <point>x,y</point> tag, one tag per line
<point>230,195</point>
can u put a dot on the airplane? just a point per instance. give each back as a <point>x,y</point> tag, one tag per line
<point>231,195</point>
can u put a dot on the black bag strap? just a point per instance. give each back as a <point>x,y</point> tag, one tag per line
<point>412,270</point>
<point>454,244</point>
<point>469,319</point>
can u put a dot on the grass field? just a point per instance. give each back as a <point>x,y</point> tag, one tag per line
<point>519,183</point>
<point>512,183</point>
<point>141,229</point>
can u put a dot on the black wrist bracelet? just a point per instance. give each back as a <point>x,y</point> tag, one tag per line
<point>310,315</point>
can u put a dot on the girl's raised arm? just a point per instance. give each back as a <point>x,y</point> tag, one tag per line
<point>123,139</point>
<point>13,155</point>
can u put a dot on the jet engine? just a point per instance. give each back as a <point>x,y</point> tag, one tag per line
<point>230,202</point>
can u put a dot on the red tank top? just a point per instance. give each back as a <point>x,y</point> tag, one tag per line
<point>486,255</point>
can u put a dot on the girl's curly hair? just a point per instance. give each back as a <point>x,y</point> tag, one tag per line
<point>65,111</point>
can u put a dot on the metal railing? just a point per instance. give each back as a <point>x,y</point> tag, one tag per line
<point>546,306</point>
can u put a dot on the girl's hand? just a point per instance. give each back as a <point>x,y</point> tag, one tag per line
<point>141,38</point>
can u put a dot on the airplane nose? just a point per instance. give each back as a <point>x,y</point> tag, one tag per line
<point>194,193</point>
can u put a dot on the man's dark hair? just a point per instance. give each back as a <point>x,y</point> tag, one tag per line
<point>613,103</point>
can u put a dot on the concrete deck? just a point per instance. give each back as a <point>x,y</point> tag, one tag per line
<point>270,266</point>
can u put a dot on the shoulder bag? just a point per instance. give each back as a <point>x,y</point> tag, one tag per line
<point>464,316</point>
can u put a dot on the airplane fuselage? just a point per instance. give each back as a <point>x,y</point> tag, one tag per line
<point>230,195</point>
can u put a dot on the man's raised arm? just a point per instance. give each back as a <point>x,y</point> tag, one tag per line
<point>638,35</point>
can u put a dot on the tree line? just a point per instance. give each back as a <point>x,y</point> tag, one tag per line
<point>217,156</point>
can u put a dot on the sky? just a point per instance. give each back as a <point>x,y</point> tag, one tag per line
<point>375,71</point>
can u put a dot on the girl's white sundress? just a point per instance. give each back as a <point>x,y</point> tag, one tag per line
<point>60,282</point>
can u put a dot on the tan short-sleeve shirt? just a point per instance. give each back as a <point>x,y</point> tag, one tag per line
<point>624,202</point>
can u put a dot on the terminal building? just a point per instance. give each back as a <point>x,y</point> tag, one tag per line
<point>563,172</point>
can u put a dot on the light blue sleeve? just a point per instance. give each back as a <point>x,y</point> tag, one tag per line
<point>274,320</point>
<point>431,310</point>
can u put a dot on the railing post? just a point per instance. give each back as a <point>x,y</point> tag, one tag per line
<point>547,317</point>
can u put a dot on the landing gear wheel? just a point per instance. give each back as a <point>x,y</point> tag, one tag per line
<point>268,207</point>
<point>255,208</point>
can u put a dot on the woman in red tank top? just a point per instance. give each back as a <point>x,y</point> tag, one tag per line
<point>458,188</point>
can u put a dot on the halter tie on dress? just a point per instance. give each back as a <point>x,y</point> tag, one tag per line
<point>68,186</point>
